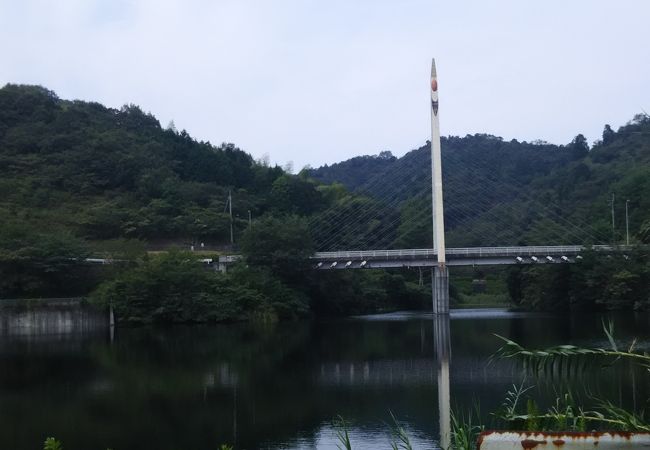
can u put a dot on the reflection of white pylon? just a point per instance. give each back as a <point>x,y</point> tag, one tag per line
<point>443,354</point>
<point>439,275</point>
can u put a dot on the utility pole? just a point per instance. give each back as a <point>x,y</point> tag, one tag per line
<point>627,225</point>
<point>229,208</point>
<point>250,220</point>
<point>232,238</point>
<point>613,222</point>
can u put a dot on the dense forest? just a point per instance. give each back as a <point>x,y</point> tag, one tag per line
<point>80,180</point>
<point>102,173</point>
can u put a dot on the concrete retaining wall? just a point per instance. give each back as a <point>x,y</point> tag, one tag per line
<point>24,317</point>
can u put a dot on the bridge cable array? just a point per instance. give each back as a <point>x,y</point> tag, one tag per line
<point>519,190</point>
<point>486,188</point>
<point>345,224</point>
<point>381,199</point>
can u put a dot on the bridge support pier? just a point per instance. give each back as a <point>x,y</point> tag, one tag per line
<point>440,289</point>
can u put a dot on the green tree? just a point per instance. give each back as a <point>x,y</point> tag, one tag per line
<point>608,135</point>
<point>579,146</point>
<point>176,287</point>
<point>34,263</point>
<point>293,195</point>
<point>283,245</point>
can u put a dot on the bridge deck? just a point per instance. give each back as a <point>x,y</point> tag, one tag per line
<point>426,257</point>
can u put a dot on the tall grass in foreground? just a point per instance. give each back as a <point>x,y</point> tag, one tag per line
<point>566,361</point>
<point>342,435</point>
<point>400,439</point>
<point>465,430</point>
<point>570,359</point>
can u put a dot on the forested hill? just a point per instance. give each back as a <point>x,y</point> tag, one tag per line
<point>501,192</point>
<point>510,157</point>
<point>356,172</point>
<point>101,173</point>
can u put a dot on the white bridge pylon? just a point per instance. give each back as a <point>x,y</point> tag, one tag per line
<point>439,273</point>
<point>436,173</point>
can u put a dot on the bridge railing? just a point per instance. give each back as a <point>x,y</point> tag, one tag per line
<point>548,250</point>
<point>377,253</point>
<point>515,251</point>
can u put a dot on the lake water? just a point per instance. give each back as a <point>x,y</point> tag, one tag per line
<point>280,386</point>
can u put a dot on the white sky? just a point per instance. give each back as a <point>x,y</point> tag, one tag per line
<point>317,82</point>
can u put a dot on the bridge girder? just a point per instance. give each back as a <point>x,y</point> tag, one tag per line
<point>388,264</point>
<point>478,256</point>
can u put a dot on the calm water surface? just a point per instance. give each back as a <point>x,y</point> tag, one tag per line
<point>280,386</point>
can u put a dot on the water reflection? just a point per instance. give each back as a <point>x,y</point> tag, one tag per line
<point>443,355</point>
<point>280,386</point>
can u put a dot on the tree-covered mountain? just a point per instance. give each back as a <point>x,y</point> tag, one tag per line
<point>354,172</point>
<point>508,192</point>
<point>105,173</point>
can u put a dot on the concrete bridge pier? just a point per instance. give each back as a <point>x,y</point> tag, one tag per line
<point>440,289</point>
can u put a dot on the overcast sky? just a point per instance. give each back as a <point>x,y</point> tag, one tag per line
<point>319,81</point>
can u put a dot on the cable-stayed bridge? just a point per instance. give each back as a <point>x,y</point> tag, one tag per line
<point>393,211</point>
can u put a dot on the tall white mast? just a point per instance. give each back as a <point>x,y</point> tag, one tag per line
<point>436,172</point>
